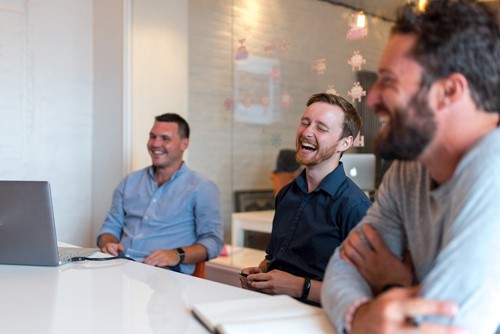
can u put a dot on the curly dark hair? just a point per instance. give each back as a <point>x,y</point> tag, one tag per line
<point>352,120</point>
<point>457,36</point>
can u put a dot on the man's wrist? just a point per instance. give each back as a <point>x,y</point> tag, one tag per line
<point>349,316</point>
<point>181,254</point>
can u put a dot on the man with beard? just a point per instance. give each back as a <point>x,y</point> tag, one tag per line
<point>438,101</point>
<point>165,215</point>
<point>316,211</point>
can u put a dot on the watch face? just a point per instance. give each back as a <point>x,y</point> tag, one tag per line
<point>181,254</point>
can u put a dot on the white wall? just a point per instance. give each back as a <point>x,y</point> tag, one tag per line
<point>46,83</point>
<point>110,139</point>
<point>159,68</point>
<point>65,77</point>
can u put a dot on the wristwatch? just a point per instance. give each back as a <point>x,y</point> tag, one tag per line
<point>306,289</point>
<point>181,254</point>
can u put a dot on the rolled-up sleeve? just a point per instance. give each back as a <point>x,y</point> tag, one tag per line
<point>208,218</point>
<point>115,218</point>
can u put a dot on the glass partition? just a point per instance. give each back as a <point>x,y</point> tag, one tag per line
<point>252,66</point>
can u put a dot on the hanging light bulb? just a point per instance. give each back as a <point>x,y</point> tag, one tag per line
<point>421,5</point>
<point>361,20</point>
<point>358,26</point>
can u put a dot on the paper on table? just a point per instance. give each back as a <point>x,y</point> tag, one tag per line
<point>265,315</point>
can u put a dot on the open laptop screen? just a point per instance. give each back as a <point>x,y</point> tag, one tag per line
<point>360,167</point>
<point>27,231</point>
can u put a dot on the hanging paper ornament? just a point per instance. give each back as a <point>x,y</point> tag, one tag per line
<point>242,52</point>
<point>285,99</point>
<point>356,61</point>
<point>228,104</point>
<point>275,73</point>
<point>269,47</point>
<point>247,100</point>
<point>357,92</point>
<point>319,66</point>
<point>357,26</point>
<point>276,140</point>
<point>283,45</point>
<point>331,90</point>
<point>359,141</point>
<point>265,101</point>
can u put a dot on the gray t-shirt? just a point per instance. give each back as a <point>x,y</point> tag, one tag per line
<point>452,232</point>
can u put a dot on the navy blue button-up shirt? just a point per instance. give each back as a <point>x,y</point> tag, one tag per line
<point>307,227</point>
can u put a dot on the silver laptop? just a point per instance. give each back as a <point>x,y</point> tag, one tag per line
<point>360,167</point>
<point>27,228</point>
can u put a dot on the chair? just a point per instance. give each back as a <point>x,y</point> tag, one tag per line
<point>281,179</point>
<point>286,169</point>
<point>199,270</point>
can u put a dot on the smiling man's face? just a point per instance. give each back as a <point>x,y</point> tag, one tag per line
<point>407,121</point>
<point>318,134</point>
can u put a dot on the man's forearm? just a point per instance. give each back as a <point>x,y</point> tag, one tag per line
<point>195,253</point>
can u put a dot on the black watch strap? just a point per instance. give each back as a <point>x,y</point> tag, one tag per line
<point>306,289</point>
<point>181,254</point>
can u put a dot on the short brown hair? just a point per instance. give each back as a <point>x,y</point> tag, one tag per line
<point>352,120</point>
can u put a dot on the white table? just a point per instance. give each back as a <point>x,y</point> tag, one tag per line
<point>227,269</point>
<point>117,296</point>
<point>258,221</point>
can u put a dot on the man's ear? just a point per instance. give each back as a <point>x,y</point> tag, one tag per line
<point>184,144</point>
<point>345,143</point>
<point>450,89</point>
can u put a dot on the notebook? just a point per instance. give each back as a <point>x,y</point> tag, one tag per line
<point>360,167</point>
<point>27,228</point>
<point>276,314</point>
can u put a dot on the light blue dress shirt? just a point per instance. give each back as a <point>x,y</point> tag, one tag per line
<point>183,211</point>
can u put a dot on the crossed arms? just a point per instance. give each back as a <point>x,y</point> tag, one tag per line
<point>397,302</point>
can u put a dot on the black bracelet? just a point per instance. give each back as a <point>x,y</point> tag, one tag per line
<point>306,289</point>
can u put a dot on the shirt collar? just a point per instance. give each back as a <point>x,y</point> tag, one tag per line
<point>330,184</point>
<point>179,172</point>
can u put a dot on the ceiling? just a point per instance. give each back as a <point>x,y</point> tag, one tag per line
<point>384,9</point>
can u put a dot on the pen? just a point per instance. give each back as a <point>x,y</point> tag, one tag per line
<point>243,274</point>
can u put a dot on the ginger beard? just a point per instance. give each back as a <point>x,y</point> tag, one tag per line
<point>310,154</point>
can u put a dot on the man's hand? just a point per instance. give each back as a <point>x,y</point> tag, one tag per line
<point>276,282</point>
<point>392,313</point>
<point>108,244</point>
<point>112,248</point>
<point>366,251</point>
<point>162,258</point>
<point>245,283</point>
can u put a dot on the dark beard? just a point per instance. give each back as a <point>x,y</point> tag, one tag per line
<point>408,136</point>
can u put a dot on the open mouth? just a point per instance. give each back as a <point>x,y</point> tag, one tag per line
<point>157,152</point>
<point>308,146</point>
<point>384,120</point>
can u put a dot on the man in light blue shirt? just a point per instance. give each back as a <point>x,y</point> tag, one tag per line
<point>165,215</point>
